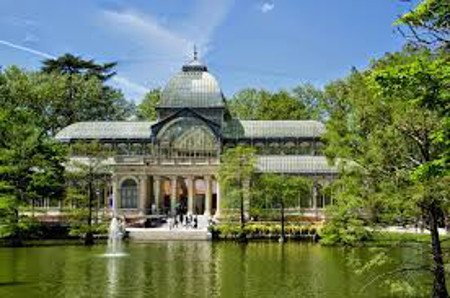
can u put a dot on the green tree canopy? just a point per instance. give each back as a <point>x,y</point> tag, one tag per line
<point>428,24</point>
<point>87,174</point>
<point>146,110</point>
<point>300,104</point>
<point>270,190</point>
<point>47,95</point>
<point>236,169</point>
<point>386,126</point>
<point>31,167</point>
<point>69,64</point>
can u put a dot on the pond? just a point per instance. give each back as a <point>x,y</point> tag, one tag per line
<point>189,269</point>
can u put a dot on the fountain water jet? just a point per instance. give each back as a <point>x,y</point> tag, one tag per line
<point>114,248</point>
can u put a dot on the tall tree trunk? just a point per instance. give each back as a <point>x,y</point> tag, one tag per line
<point>439,286</point>
<point>32,207</point>
<point>242,235</point>
<point>89,239</point>
<point>16,237</point>
<point>283,234</point>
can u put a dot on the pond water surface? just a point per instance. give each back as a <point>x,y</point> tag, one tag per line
<point>189,269</point>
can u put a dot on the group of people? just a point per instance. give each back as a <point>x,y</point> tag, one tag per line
<point>181,220</point>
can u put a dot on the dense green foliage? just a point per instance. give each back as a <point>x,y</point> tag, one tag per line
<point>388,131</point>
<point>300,104</point>
<point>30,169</point>
<point>428,24</point>
<point>86,178</point>
<point>237,167</point>
<point>33,107</point>
<point>69,64</point>
<point>146,110</point>
<point>63,94</point>
<point>384,125</point>
<point>271,192</point>
<point>388,128</point>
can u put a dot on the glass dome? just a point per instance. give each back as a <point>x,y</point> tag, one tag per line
<point>194,87</point>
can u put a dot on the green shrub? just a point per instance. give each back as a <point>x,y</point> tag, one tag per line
<point>262,230</point>
<point>346,231</point>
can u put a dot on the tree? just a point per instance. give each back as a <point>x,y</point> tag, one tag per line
<point>281,106</point>
<point>146,110</point>
<point>423,80</point>
<point>312,98</point>
<point>70,65</point>
<point>88,170</point>
<point>244,104</point>
<point>428,24</point>
<point>253,104</point>
<point>85,94</point>
<point>236,168</point>
<point>46,95</point>
<point>279,191</point>
<point>382,127</point>
<point>30,168</point>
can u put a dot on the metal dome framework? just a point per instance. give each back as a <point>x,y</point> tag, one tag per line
<point>192,87</point>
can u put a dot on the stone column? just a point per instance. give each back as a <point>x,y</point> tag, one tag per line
<point>208,196</point>
<point>143,194</point>
<point>173,194</point>
<point>115,195</point>
<point>218,197</point>
<point>190,189</point>
<point>156,192</point>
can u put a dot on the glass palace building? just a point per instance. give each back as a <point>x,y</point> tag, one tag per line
<point>173,162</point>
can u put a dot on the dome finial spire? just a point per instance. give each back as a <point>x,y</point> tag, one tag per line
<point>195,52</point>
<point>194,64</point>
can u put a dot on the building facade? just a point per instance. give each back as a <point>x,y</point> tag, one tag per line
<point>171,165</point>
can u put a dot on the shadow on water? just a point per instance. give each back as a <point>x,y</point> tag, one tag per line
<point>13,283</point>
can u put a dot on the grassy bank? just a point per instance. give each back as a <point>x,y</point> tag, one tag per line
<point>383,238</point>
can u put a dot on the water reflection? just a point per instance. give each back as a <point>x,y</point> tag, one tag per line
<point>187,269</point>
<point>113,277</point>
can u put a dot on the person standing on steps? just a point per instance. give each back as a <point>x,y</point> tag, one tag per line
<point>195,222</point>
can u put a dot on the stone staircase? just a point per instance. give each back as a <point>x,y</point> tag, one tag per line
<point>158,234</point>
<point>165,233</point>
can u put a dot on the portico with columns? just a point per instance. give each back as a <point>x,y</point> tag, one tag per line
<point>145,188</point>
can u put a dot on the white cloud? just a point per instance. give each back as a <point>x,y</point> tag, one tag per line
<point>158,47</point>
<point>267,6</point>
<point>145,29</point>
<point>133,90</point>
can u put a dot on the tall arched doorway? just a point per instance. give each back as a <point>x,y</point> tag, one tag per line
<point>129,194</point>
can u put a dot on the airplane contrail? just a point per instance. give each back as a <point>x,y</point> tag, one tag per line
<point>26,49</point>
<point>119,80</point>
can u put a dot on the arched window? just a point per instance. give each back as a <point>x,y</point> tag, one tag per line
<point>122,149</point>
<point>128,194</point>
<point>136,149</point>
<point>187,137</point>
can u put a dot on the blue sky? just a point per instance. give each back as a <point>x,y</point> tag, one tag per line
<point>265,44</point>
